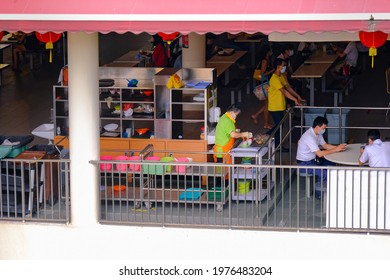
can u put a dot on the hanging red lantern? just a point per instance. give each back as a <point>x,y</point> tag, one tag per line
<point>169,38</point>
<point>372,40</point>
<point>49,38</point>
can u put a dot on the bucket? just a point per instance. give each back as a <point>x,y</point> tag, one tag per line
<point>181,168</point>
<point>243,186</point>
<point>121,166</point>
<point>152,168</point>
<point>168,168</point>
<point>134,167</point>
<point>105,166</point>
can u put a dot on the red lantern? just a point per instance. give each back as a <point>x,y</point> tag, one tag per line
<point>49,38</point>
<point>372,40</point>
<point>168,38</point>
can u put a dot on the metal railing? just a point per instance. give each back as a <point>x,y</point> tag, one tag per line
<point>244,196</point>
<point>35,190</point>
<point>269,193</point>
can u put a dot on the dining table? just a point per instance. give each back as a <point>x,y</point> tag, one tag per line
<point>233,58</point>
<point>321,57</point>
<point>252,40</point>
<point>3,47</point>
<point>223,63</point>
<point>348,157</point>
<point>312,71</point>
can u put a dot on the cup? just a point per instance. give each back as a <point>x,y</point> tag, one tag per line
<point>129,132</point>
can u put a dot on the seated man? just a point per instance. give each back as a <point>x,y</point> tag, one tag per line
<point>350,56</point>
<point>376,152</point>
<point>309,152</point>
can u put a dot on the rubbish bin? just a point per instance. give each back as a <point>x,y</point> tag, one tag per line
<point>311,114</point>
<point>334,134</point>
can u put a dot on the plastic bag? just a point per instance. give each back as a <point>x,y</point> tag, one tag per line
<point>175,81</point>
<point>261,91</point>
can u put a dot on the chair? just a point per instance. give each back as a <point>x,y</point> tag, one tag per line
<point>388,87</point>
<point>307,181</point>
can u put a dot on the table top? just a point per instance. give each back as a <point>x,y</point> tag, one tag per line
<point>227,58</point>
<point>311,70</point>
<point>321,57</point>
<point>220,67</point>
<point>8,39</point>
<point>348,157</point>
<point>4,46</point>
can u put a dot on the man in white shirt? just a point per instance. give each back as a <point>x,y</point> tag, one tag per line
<point>311,151</point>
<point>350,55</point>
<point>376,152</point>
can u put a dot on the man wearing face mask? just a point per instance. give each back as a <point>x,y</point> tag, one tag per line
<point>278,90</point>
<point>311,151</point>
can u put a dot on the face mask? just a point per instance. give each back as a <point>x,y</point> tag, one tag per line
<point>322,131</point>
<point>283,69</point>
<point>290,53</point>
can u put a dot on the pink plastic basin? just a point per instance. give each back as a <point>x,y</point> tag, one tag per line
<point>121,166</point>
<point>181,168</point>
<point>153,158</point>
<point>105,166</point>
<point>134,167</point>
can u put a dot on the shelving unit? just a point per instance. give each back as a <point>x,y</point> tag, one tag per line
<point>261,179</point>
<point>170,113</point>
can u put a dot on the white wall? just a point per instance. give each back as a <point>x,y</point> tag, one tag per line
<point>100,242</point>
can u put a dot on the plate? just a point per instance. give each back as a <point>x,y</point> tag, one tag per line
<point>110,134</point>
<point>111,127</point>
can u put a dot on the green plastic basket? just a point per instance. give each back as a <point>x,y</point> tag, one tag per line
<point>216,194</point>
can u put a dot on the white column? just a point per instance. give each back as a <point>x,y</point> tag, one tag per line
<point>195,55</point>
<point>83,50</point>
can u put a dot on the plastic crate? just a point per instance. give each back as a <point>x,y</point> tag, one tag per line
<point>12,151</point>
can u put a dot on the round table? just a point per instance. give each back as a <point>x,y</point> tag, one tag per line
<point>348,157</point>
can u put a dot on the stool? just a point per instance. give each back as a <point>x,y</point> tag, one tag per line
<point>237,85</point>
<point>307,182</point>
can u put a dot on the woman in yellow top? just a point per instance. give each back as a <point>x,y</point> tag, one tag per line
<point>225,133</point>
<point>261,76</point>
<point>278,90</point>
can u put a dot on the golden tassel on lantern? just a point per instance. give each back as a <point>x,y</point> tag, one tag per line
<point>49,46</point>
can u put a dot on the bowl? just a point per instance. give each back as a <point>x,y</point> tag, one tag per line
<point>119,188</point>
<point>148,92</point>
<point>111,127</point>
<point>142,131</point>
